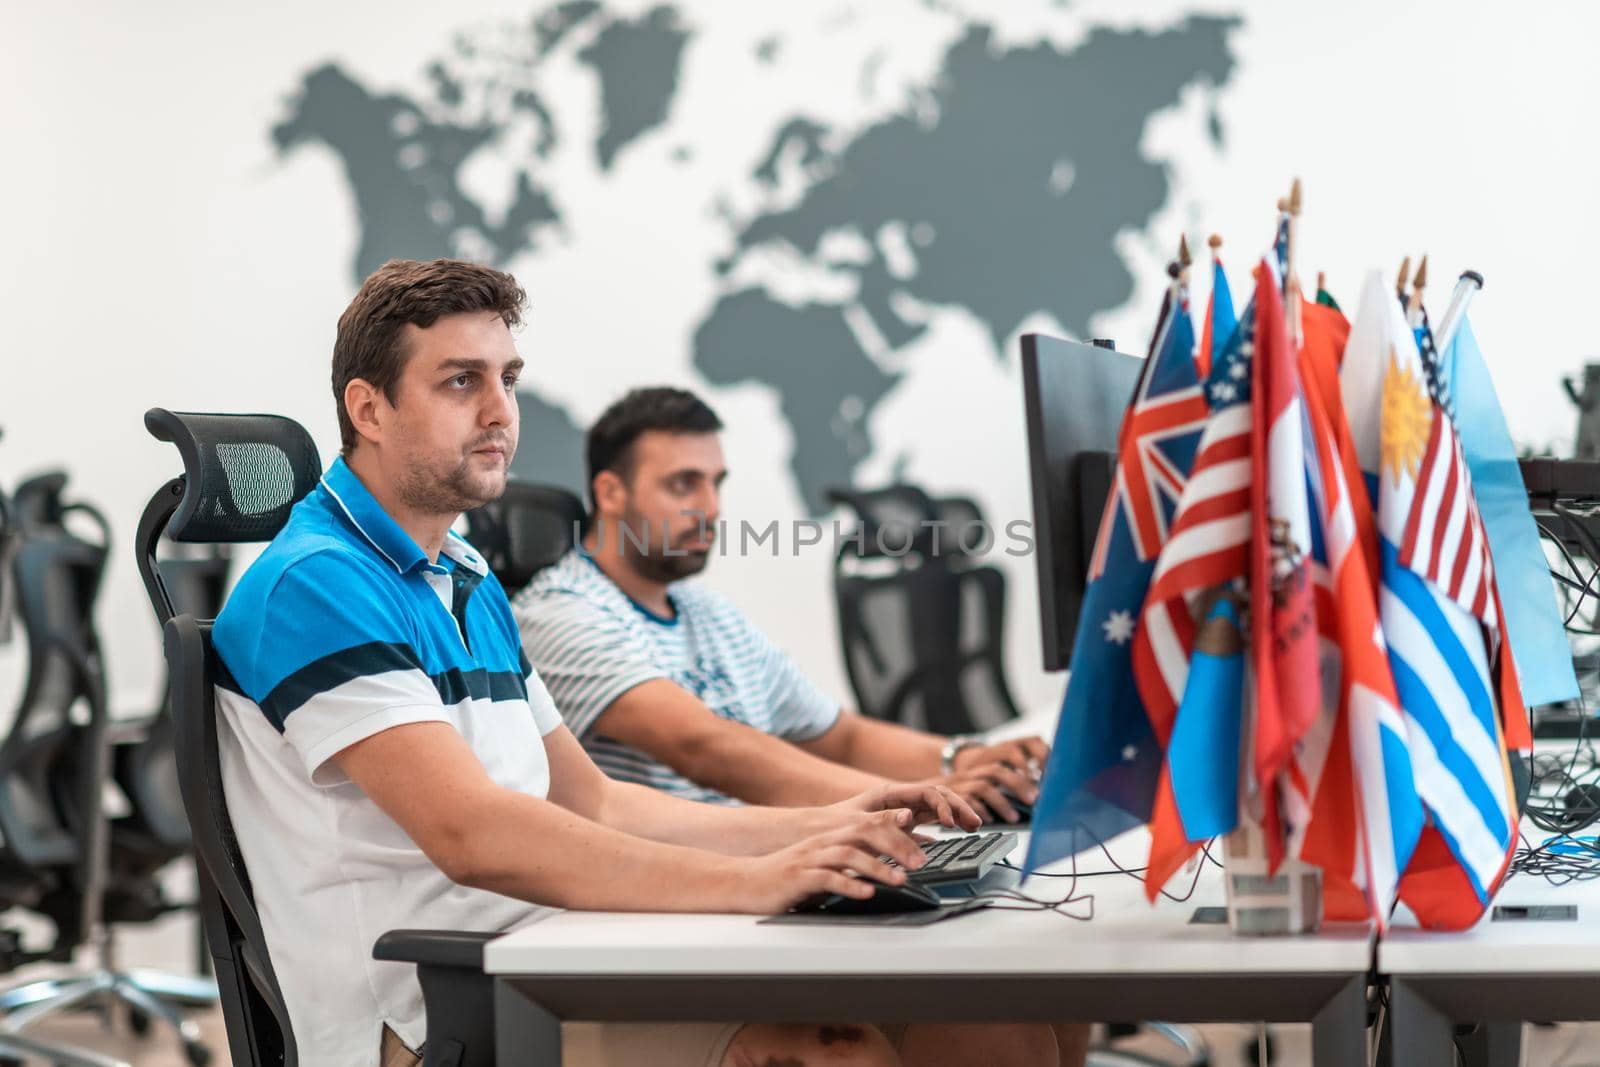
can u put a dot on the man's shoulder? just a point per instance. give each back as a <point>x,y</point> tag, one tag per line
<point>293,583</point>
<point>700,601</point>
<point>571,583</point>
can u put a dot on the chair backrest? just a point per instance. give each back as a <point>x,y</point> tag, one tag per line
<point>253,1008</point>
<point>526,530</point>
<point>242,475</point>
<point>148,771</point>
<point>10,541</point>
<point>920,615</point>
<point>57,574</point>
<point>893,522</point>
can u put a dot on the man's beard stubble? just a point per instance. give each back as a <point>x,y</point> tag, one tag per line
<point>652,561</point>
<point>453,492</point>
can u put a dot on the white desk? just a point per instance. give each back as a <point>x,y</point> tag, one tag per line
<point>1131,961</point>
<point>1499,973</point>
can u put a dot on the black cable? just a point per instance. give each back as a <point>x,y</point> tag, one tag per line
<point>1136,873</point>
<point>1020,901</point>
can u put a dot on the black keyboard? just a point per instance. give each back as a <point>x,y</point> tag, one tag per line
<point>960,859</point>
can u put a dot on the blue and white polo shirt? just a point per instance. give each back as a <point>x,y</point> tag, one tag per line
<point>591,643</point>
<point>340,630</point>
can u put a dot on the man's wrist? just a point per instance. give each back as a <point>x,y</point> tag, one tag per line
<point>953,747</point>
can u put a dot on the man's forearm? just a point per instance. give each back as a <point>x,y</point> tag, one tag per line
<point>886,749</point>
<point>757,768</point>
<point>731,829</point>
<point>527,848</point>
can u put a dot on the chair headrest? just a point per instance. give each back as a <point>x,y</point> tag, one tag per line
<point>242,473</point>
<point>526,530</point>
<point>38,500</point>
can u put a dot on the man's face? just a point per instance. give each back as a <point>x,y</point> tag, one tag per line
<point>670,500</point>
<point>454,416</point>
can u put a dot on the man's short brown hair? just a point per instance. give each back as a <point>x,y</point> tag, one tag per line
<point>402,291</point>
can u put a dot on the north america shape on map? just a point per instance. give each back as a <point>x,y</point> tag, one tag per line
<point>977,164</point>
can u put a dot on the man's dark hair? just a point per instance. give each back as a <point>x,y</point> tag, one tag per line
<point>611,438</point>
<point>368,345</point>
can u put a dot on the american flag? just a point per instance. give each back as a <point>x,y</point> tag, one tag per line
<point>1444,539</point>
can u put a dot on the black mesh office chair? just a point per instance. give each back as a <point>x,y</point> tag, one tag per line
<point>155,831</point>
<point>526,530</point>
<point>53,762</point>
<point>921,616</point>
<point>242,475</point>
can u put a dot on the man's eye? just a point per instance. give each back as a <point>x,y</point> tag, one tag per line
<point>461,381</point>
<point>510,381</point>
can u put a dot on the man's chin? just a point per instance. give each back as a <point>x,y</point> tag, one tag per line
<point>482,489</point>
<point>681,565</point>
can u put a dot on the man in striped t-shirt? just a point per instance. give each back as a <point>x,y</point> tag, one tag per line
<point>669,685</point>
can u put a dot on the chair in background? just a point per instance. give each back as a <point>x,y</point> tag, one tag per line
<point>921,617</point>
<point>242,475</point>
<point>53,764</point>
<point>526,530</point>
<point>154,831</point>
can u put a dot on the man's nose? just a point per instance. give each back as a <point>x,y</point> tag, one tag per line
<point>501,408</point>
<point>709,503</point>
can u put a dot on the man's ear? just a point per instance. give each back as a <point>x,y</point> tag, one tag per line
<point>368,409</point>
<point>610,493</point>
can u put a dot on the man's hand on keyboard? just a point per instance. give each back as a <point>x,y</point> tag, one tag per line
<point>779,880</point>
<point>1024,755</point>
<point>989,776</point>
<point>927,802</point>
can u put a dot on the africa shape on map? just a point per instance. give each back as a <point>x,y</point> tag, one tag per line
<point>1005,186</point>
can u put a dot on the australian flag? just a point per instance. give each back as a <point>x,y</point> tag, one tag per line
<point>1103,770</point>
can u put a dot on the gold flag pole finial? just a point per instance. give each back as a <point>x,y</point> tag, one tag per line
<point>1322,280</point>
<point>1184,258</point>
<point>1414,302</point>
<point>1214,242</point>
<point>1405,274</point>
<point>1294,197</point>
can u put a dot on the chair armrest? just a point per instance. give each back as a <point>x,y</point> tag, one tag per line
<point>456,995</point>
<point>434,948</point>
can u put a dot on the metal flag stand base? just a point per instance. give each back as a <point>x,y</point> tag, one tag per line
<point>1262,904</point>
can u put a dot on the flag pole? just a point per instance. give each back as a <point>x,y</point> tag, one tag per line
<point>1291,276</point>
<point>1418,284</point>
<point>1467,287</point>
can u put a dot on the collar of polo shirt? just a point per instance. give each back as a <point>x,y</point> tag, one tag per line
<point>380,530</point>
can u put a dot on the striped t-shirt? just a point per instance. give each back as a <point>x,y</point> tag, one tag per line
<point>340,630</point>
<point>590,643</point>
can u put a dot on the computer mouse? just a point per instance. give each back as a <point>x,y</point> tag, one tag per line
<point>887,900</point>
<point>1023,809</point>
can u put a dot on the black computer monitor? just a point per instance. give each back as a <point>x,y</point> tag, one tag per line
<point>1074,396</point>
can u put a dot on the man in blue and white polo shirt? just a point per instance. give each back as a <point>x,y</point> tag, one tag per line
<point>668,684</point>
<point>391,760</point>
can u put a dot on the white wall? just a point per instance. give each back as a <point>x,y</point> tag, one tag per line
<point>156,251</point>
